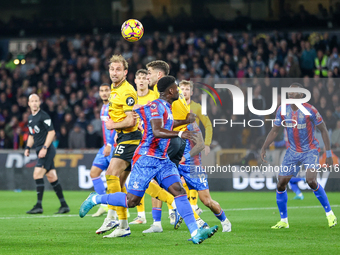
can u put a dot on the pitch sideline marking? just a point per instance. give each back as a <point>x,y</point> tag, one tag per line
<point>226,210</point>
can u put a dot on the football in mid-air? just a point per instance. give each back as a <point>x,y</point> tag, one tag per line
<point>132,30</point>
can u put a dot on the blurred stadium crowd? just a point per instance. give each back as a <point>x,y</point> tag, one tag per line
<point>66,75</point>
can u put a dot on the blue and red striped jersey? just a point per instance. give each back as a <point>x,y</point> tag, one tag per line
<point>195,160</point>
<point>108,135</point>
<point>150,145</point>
<point>300,127</point>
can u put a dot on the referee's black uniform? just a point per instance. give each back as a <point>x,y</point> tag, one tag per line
<point>39,125</point>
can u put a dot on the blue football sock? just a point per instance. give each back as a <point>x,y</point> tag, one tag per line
<point>98,185</point>
<point>281,200</point>
<point>321,195</point>
<point>221,216</point>
<point>185,210</point>
<point>115,199</point>
<point>294,185</point>
<point>156,214</point>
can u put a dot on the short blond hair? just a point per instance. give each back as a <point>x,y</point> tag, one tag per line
<point>119,59</point>
<point>187,83</point>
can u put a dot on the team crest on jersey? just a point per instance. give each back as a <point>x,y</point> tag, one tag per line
<point>301,115</point>
<point>135,185</point>
<point>36,129</point>
<point>153,106</point>
<point>112,96</point>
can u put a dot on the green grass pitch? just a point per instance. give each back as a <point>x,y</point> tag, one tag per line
<point>251,215</point>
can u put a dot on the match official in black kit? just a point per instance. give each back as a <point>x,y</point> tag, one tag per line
<point>41,136</point>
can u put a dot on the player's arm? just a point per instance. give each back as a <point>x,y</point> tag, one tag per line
<point>127,122</point>
<point>29,144</point>
<point>199,145</point>
<point>160,132</point>
<point>110,142</point>
<point>189,119</point>
<point>325,137</point>
<point>207,126</point>
<point>270,138</point>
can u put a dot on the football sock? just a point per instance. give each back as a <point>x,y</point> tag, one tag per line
<point>141,208</point>
<point>39,183</point>
<point>59,192</point>
<point>321,195</point>
<point>193,197</point>
<point>122,211</point>
<point>294,185</point>
<point>185,186</point>
<point>98,185</point>
<point>185,210</point>
<point>113,185</point>
<point>156,191</point>
<point>112,214</point>
<point>116,199</point>
<point>157,214</point>
<point>281,200</point>
<point>221,216</point>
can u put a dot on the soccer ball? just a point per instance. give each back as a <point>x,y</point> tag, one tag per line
<point>132,30</point>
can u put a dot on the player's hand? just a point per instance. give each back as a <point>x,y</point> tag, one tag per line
<point>206,150</point>
<point>191,117</point>
<point>42,153</point>
<point>140,126</point>
<point>107,150</point>
<point>109,124</point>
<point>137,106</point>
<point>190,135</point>
<point>263,155</point>
<point>329,161</point>
<point>135,115</point>
<point>27,152</point>
<point>182,160</point>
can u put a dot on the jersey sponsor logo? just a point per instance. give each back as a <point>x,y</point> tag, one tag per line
<point>36,129</point>
<point>48,122</point>
<point>294,125</point>
<point>130,101</point>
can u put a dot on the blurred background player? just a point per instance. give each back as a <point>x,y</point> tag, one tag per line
<point>304,149</point>
<point>187,88</point>
<point>41,135</point>
<point>104,155</point>
<point>293,183</point>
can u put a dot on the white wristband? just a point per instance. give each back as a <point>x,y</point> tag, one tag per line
<point>180,134</point>
<point>109,144</point>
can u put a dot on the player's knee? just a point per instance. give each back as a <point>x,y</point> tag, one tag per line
<point>176,189</point>
<point>312,183</point>
<point>281,186</point>
<point>94,174</point>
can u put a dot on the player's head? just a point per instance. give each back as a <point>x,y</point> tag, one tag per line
<point>141,80</point>
<point>168,88</point>
<point>156,70</point>
<point>187,88</point>
<point>34,102</point>
<point>104,91</point>
<point>296,95</point>
<point>118,68</point>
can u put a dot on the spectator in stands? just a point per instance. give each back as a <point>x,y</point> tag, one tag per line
<point>335,138</point>
<point>63,138</point>
<point>321,62</point>
<point>5,142</point>
<point>307,60</point>
<point>92,139</point>
<point>76,138</point>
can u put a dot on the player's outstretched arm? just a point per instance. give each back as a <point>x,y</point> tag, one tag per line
<point>191,117</point>
<point>160,132</point>
<point>325,137</point>
<point>129,121</point>
<point>270,138</point>
<point>199,144</point>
